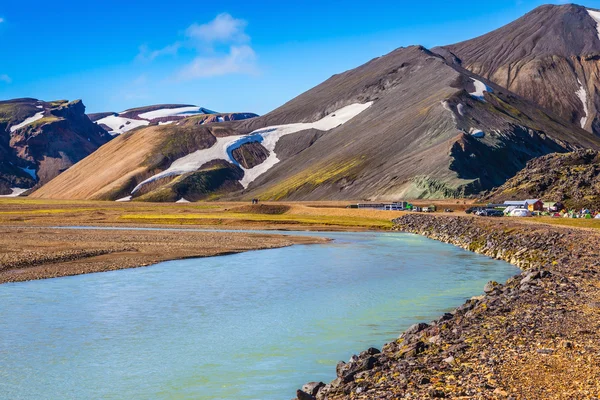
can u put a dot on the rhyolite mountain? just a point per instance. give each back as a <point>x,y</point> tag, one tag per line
<point>405,125</point>
<point>550,56</point>
<point>571,178</point>
<point>39,140</point>
<point>159,114</point>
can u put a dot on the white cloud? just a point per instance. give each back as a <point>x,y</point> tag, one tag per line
<point>221,47</point>
<point>5,78</point>
<point>1,20</point>
<point>239,60</point>
<point>146,54</point>
<point>223,29</point>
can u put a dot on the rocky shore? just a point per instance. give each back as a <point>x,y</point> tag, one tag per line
<point>533,337</point>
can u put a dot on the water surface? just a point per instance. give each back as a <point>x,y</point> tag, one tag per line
<point>255,325</point>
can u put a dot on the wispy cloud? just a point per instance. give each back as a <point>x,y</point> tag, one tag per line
<point>5,78</point>
<point>239,60</point>
<point>1,20</point>
<point>146,54</point>
<point>223,29</point>
<point>221,47</point>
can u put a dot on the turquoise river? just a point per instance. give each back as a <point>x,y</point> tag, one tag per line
<point>255,325</point>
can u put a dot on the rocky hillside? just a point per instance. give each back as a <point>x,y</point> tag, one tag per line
<point>572,178</point>
<point>550,56</point>
<point>408,124</point>
<point>160,114</point>
<point>39,140</point>
<point>533,337</point>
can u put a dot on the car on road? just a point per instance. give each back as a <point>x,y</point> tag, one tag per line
<point>473,210</point>
<point>490,212</point>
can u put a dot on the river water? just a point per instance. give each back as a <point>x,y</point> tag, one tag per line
<point>255,325</point>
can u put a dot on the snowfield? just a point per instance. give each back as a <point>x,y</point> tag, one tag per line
<point>170,112</point>
<point>15,192</point>
<point>119,125</point>
<point>480,88</point>
<point>596,16</point>
<point>268,137</point>
<point>32,172</point>
<point>477,133</point>
<point>582,94</point>
<point>28,121</point>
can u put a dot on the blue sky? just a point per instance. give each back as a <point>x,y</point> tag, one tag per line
<point>227,55</point>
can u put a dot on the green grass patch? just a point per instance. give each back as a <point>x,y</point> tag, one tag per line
<point>316,176</point>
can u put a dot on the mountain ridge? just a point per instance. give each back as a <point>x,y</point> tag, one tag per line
<point>434,129</point>
<point>550,56</point>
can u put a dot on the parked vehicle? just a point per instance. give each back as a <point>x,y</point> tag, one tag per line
<point>448,210</point>
<point>473,210</point>
<point>490,213</point>
<point>520,212</point>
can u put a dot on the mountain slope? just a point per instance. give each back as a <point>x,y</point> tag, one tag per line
<point>408,124</point>
<point>160,114</point>
<point>572,178</point>
<point>39,140</point>
<point>550,56</point>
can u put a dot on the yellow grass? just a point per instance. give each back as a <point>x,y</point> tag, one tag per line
<point>571,222</point>
<point>219,218</point>
<point>317,215</point>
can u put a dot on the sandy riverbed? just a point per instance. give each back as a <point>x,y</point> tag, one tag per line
<point>36,253</point>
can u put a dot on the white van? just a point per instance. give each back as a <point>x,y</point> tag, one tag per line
<point>520,212</point>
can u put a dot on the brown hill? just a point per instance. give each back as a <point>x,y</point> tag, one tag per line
<point>39,140</point>
<point>571,178</point>
<point>550,56</point>
<point>425,128</point>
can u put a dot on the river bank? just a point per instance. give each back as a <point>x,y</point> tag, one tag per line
<point>32,248</point>
<point>533,337</point>
<point>29,253</point>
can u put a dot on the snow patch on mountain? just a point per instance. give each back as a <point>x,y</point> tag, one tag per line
<point>582,94</point>
<point>15,192</point>
<point>477,133</point>
<point>268,137</point>
<point>170,112</point>
<point>480,88</point>
<point>596,16</point>
<point>119,125</point>
<point>28,121</point>
<point>447,107</point>
<point>32,172</point>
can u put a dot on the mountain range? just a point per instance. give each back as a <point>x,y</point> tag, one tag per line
<point>161,114</point>
<point>452,121</point>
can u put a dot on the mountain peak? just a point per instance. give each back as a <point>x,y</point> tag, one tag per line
<point>550,55</point>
